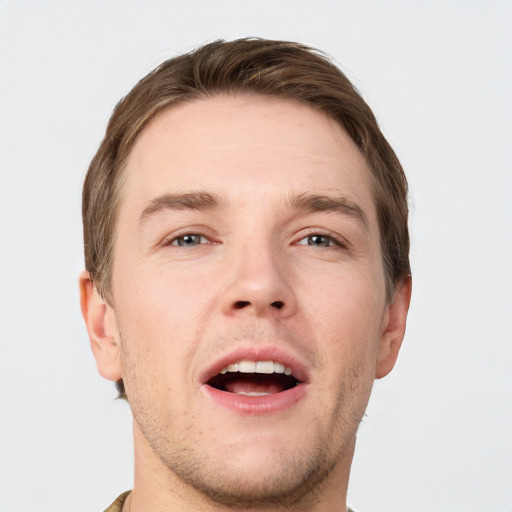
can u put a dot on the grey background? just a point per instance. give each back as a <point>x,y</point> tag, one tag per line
<point>438,74</point>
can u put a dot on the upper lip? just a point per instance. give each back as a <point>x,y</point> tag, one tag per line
<point>256,352</point>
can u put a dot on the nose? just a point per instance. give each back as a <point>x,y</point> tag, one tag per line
<point>259,284</point>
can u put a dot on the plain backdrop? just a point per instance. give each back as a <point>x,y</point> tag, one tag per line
<point>438,431</point>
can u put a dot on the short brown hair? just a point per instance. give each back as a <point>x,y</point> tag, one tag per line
<point>244,66</point>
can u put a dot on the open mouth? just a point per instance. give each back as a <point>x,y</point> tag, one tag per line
<point>254,378</point>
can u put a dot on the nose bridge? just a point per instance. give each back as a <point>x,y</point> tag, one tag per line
<point>258,279</point>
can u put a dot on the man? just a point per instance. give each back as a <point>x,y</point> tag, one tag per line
<point>246,246</point>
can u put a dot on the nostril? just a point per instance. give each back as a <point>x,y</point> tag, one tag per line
<point>241,304</point>
<point>277,304</point>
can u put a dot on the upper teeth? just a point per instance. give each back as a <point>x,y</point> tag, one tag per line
<point>245,366</point>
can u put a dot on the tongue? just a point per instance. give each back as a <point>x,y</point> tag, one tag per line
<point>248,386</point>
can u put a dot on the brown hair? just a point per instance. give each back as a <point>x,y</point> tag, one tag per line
<point>244,66</point>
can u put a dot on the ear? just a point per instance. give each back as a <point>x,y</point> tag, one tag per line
<point>393,328</point>
<point>101,323</point>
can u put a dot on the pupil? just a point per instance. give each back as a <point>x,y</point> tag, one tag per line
<point>319,240</point>
<point>189,240</point>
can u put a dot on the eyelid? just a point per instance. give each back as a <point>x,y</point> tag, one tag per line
<point>191,230</point>
<point>335,237</point>
<point>201,240</point>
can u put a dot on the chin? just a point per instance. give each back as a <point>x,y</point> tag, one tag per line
<point>262,480</point>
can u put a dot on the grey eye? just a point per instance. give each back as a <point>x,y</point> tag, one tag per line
<point>319,241</point>
<point>188,240</point>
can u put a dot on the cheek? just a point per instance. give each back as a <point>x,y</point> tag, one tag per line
<point>345,312</point>
<point>349,299</point>
<point>160,319</point>
<point>160,296</point>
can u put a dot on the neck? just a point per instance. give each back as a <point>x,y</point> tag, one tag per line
<point>157,489</point>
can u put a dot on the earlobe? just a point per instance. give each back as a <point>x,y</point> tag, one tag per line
<point>393,328</point>
<point>102,327</point>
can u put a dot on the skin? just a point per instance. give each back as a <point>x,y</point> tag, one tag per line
<point>178,308</point>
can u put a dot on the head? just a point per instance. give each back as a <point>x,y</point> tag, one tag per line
<point>248,66</point>
<point>191,111</point>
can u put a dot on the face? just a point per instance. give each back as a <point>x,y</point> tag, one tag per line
<point>250,312</point>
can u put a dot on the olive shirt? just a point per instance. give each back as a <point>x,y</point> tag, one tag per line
<point>117,506</point>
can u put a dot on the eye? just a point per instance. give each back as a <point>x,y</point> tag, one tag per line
<point>319,240</point>
<point>188,240</point>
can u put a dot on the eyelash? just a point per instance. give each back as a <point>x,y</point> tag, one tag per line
<point>336,240</point>
<point>170,241</point>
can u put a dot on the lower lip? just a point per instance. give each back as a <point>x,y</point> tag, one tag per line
<point>256,405</point>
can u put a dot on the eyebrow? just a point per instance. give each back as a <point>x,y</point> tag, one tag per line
<point>187,201</point>
<point>335,204</point>
<point>209,201</point>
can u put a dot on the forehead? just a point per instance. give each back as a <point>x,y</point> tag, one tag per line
<point>245,145</point>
